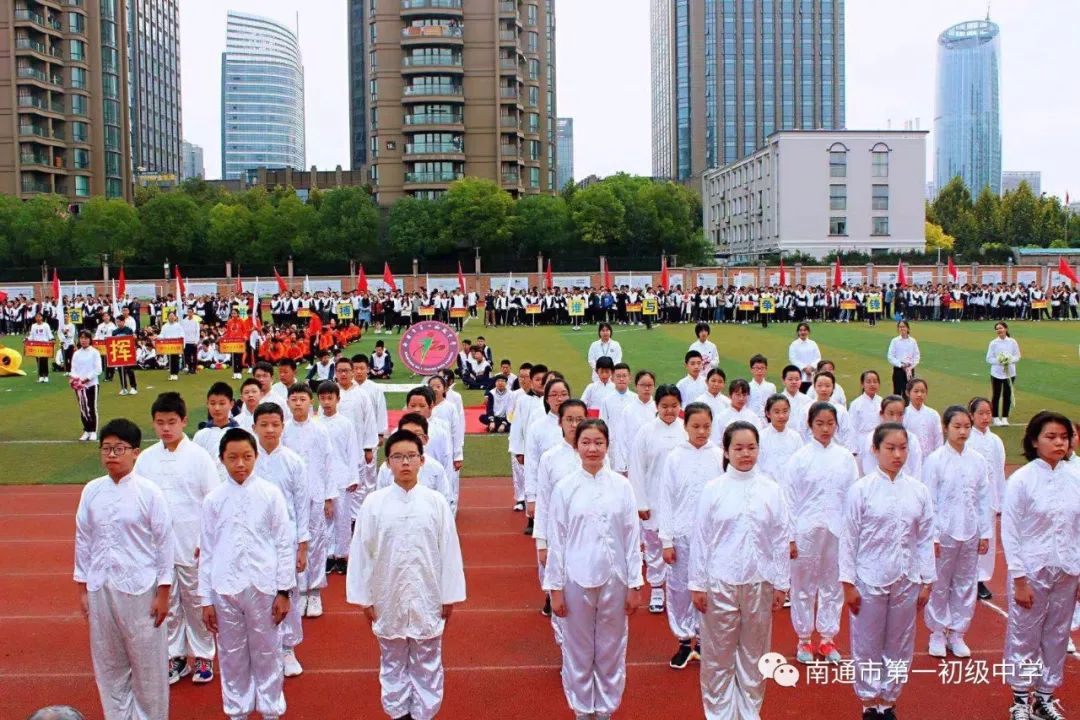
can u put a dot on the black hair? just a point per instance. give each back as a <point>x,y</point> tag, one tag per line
<point>1035,427</point>
<point>694,408</point>
<point>915,381</point>
<point>951,412</point>
<point>121,429</point>
<point>380,344</point>
<point>525,366</point>
<point>883,430</point>
<point>701,326</point>
<point>505,361</point>
<point>800,326</point>
<point>220,388</point>
<point>360,358</point>
<point>642,373</point>
<point>547,391</point>
<point>975,402</point>
<point>729,433</point>
<point>1003,324</point>
<point>344,361</point>
<point>818,408</point>
<point>324,353</point>
<point>690,355</point>
<point>264,366</point>
<point>414,419</point>
<point>300,388</point>
<point>621,366</point>
<point>498,377</point>
<point>403,436</point>
<point>572,404</point>
<point>169,402</point>
<point>250,381</point>
<point>86,334</point>
<point>592,424</point>
<point>759,358</point>
<point>667,390</point>
<point>538,369</point>
<point>889,400</point>
<point>603,325</point>
<point>287,362</point>
<point>790,369</point>
<point>423,391</point>
<point>605,363</point>
<point>716,371</point>
<point>773,399</point>
<point>823,363</point>
<point>267,408</point>
<point>739,385</point>
<point>903,322</point>
<point>236,434</point>
<point>866,373</point>
<point>825,374</point>
<point>329,387</point>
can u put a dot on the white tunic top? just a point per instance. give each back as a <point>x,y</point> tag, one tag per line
<point>719,405</point>
<point>803,354</point>
<point>247,540</point>
<point>649,449</point>
<point>186,476</point>
<point>710,356</point>
<point>446,412</point>
<point>378,404</point>
<point>888,532</point>
<point>691,388</point>
<point>721,421</point>
<point>960,488</point>
<point>594,535</point>
<point>287,471</point>
<point>903,351</point>
<point>992,450</point>
<point>843,435</point>
<point>359,407</point>
<point>742,533</point>
<point>346,456</point>
<point>759,393</point>
<point>544,433</point>
<point>865,414</point>
<point>312,444</point>
<point>123,536</point>
<point>925,424</point>
<point>557,462</point>
<point>525,407</point>
<point>1007,347</point>
<point>432,475</point>
<point>86,365</point>
<point>405,561</point>
<point>209,439</point>
<point>776,449</point>
<point>868,462</point>
<point>624,414</point>
<point>1040,519</point>
<point>683,475</point>
<point>595,393</point>
<point>598,349</point>
<point>816,481</point>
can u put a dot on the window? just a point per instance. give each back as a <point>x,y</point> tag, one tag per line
<point>837,163</point>
<point>534,177</point>
<point>881,197</point>
<point>838,226</point>
<point>838,197</point>
<point>881,226</point>
<point>531,15</point>
<point>78,104</point>
<point>77,50</point>
<point>76,23</point>
<point>78,78</point>
<point>82,186</point>
<point>881,164</point>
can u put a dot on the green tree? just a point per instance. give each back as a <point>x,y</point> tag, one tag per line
<point>1074,229</point>
<point>478,213</point>
<point>42,230</point>
<point>172,227</point>
<point>952,202</point>
<point>10,207</point>
<point>348,225</point>
<point>284,230</point>
<point>599,218</point>
<point>674,214</point>
<point>230,233</point>
<point>936,239</point>
<point>987,217</point>
<point>205,194</point>
<point>1052,222</point>
<point>543,225</point>
<point>1020,217</point>
<point>106,226</point>
<point>415,229</point>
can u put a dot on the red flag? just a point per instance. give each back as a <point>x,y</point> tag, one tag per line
<point>388,277</point>
<point>838,275</point>
<point>281,286</point>
<point>121,285</point>
<point>664,279</point>
<point>607,276</point>
<point>361,281</point>
<point>1064,269</point>
<point>901,278</point>
<point>461,279</point>
<point>55,285</point>
<point>3,296</point>
<point>953,273</point>
<point>549,279</point>
<point>181,286</point>
<point>783,273</point>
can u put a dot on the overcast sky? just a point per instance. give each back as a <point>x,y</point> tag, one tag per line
<point>603,77</point>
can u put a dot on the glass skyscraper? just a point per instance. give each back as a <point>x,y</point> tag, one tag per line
<point>967,118</point>
<point>154,87</point>
<point>262,97</point>
<point>358,28</point>
<point>564,142</point>
<point>729,73</point>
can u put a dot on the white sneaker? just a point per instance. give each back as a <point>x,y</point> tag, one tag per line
<point>291,664</point>
<point>46,379</point>
<point>656,601</point>
<point>174,377</point>
<point>996,422</point>
<point>84,437</point>
<point>301,604</point>
<point>937,645</point>
<point>1072,646</point>
<point>93,437</point>
<point>958,646</point>
<point>314,606</point>
<point>1005,422</point>
<point>133,391</point>
<point>123,391</point>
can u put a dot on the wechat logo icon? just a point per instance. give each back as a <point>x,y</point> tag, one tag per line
<point>775,667</point>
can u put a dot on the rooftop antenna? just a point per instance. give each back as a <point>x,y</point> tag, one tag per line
<point>988,10</point>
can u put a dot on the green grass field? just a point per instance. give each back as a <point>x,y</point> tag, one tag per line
<point>39,423</point>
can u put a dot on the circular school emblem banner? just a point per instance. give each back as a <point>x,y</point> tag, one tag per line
<point>428,346</point>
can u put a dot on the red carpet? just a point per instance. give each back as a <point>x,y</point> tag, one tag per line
<point>473,426</point>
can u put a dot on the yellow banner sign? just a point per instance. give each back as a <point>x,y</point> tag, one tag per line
<point>650,306</point>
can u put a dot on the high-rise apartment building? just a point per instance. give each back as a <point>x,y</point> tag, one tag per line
<point>564,152</point>
<point>262,97</point>
<point>441,89</point>
<point>64,116</point>
<point>726,74</point>
<point>967,117</point>
<point>154,87</point>
<point>192,165</point>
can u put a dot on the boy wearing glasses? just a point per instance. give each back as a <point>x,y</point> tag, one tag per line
<point>407,603</point>
<point>124,567</point>
<point>432,474</point>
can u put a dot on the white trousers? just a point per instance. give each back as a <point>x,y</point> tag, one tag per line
<point>342,525</point>
<point>130,655</point>
<point>986,562</point>
<point>517,475</point>
<point>735,632</point>
<point>249,657</point>
<point>292,627</point>
<point>656,569</point>
<point>815,583</point>
<point>883,634</point>
<point>1076,618</point>
<point>683,617</point>
<point>1040,633</point>
<point>321,529</point>
<point>556,621</point>
<point>187,634</point>
<point>411,677</point>
<point>952,601</point>
<point>594,647</point>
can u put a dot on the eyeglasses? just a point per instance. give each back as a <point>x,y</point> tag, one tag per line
<point>115,450</point>
<point>573,420</point>
<point>400,458</point>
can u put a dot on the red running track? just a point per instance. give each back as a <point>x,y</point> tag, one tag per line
<point>501,661</point>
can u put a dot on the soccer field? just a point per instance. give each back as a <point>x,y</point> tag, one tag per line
<point>39,423</point>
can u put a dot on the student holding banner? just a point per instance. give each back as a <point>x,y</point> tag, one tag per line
<point>172,331</point>
<point>40,332</point>
<point>120,353</point>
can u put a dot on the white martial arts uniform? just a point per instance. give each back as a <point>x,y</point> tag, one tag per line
<point>557,462</point>
<point>690,388</point>
<point>710,356</point>
<point>925,423</point>
<point>594,558</point>
<point>960,489</point>
<point>648,451</point>
<point>816,480</point>
<point>447,413</point>
<point>525,404</point>
<point>719,404</point>
<point>1040,532</point>
<point>868,462</point>
<point>624,414</point>
<point>865,414</point>
<point>759,395</point>
<point>124,552</point>
<point>248,556</point>
<point>799,404</point>
<point>312,443</point>
<point>350,465</point>
<point>599,349</point>
<point>432,475</point>
<point>721,421</point>
<point>595,394</point>
<point>405,562</point>
<point>887,553</point>
<point>683,474</point>
<point>361,407</point>
<point>992,450</point>
<point>186,476</point>
<point>287,471</point>
<point>776,448</point>
<point>804,354</point>
<point>843,436</point>
<point>544,433</point>
<point>740,552</point>
<point>209,439</point>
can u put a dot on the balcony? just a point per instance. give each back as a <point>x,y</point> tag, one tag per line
<point>31,184</point>
<point>25,45</point>
<point>51,25</point>
<point>427,63</point>
<point>443,119</point>
<point>453,151</point>
<point>508,37</point>
<point>508,7</point>
<point>420,93</point>
<point>36,103</point>
<point>43,161</point>
<point>511,178</point>
<point>427,8</point>
<point>432,178</point>
<point>513,150</point>
<point>432,35</point>
<point>29,73</point>
<point>510,64</point>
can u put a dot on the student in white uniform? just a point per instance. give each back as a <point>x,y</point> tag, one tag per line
<point>445,410</point>
<point>921,419</point>
<point>343,440</point>
<point>172,330</point>
<point>544,433</point>
<point>186,474</point>
<point>714,396</point>
<point>1040,532</point>
<point>250,398</point>
<point>557,462</point>
<point>594,588</point>
<point>219,404</point>
<point>432,474</point>
<point>778,441</point>
<point>798,400</point>
<point>246,575</point>
<point>604,347</point>
<point>983,441</point>
<point>406,574</point>
<point>760,388</point>
<point>838,397</point>
<point>124,566</point>
<point>739,555</point>
<point>693,385</point>
<point>361,407</point>
<point>616,401</point>
<point>822,391</point>
<point>287,471</point>
<point>440,445</point>
<point>624,414</point>
<point>688,467</point>
<point>740,411</point>
<point>815,482</point>
<point>887,568</point>
<point>652,442</point>
<point>804,354</point>
<point>525,404</point>
<point>710,356</point>
<point>892,411</point>
<point>598,390</point>
<point>865,410</point>
<point>959,486</point>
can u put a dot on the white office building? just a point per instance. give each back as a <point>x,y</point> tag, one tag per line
<point>819,191</point>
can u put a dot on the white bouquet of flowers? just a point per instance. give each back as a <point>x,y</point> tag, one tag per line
<point>1005,360</point>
